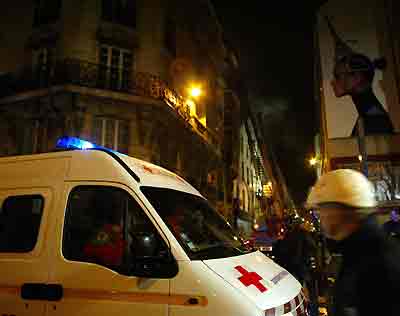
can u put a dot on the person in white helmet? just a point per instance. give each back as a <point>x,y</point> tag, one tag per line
<point>368,281</point>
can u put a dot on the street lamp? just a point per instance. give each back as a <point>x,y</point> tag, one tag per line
<point>313,161</point>
<point>195,91</point>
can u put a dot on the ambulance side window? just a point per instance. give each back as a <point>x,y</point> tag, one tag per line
<point>20,218</point>
<point>105,225</point>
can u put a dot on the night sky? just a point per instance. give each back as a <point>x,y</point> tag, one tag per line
<point>275,46</point>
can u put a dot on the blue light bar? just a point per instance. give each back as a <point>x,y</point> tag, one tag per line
<point>67,142</point>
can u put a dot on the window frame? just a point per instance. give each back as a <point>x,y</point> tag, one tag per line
<point>37,241</point>
<point>116,133</point>
<point>122,83</point>
<point>129,193</point>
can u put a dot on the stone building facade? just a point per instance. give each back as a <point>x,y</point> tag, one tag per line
<point>117,73</point>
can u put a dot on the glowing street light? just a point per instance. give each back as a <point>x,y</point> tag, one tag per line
<point>195,91</point>
<point>313,161</point>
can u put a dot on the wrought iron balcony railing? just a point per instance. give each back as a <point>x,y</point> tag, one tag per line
<point>97,76</point>
<point>86,74</point>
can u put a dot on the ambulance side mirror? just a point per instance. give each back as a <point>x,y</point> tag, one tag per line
<point>152,259</point>
<point>153,268</point>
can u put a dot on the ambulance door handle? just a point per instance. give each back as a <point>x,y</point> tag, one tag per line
<point>42,291</point>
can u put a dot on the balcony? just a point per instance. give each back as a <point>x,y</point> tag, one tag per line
<point>85,74</point>
<point>96,76</point>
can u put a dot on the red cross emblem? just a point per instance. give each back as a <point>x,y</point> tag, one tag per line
<point>250,278</point>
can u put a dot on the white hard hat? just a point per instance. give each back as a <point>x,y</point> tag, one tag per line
<point>343,186</point>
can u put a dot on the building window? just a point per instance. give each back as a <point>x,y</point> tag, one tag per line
<point>46,12</point>
<point>115,68</point>
<point>106,226</point>
<point>119,11</point>
<point>170,36</point>
<point>19,222</point>
<point>31,138</point>
<point>43,56</point>
<point>43,61</point>
<point>40,134</point>
<point>111,133</point>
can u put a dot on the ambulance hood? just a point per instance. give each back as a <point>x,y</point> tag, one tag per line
<point>262,281</point>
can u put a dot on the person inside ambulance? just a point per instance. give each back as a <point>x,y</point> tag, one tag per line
<point>106,245</point>
<point>203,233</point>
<point>180,221</point>
<point>176,219</point>
<point>368,282</point>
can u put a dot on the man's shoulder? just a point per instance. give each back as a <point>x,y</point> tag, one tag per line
<point>381,272</point>
<point>391,255</point>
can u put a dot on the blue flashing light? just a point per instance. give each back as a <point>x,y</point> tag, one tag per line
<point>67,142</point>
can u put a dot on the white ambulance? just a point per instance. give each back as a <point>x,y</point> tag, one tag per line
<point>95,232</point>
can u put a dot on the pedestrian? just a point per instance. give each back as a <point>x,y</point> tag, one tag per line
<point>368,281</point>
<point>236,212</point>
<point>295,252</point>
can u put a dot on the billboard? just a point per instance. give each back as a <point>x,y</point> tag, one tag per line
<point>346,25</point>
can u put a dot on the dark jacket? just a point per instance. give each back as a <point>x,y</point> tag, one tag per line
<point>369,279</point>
<point>392,228</point>
<point>294,253</point>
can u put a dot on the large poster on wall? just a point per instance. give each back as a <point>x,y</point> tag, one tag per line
<point>350,58</point>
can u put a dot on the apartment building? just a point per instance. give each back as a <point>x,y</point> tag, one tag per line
<point>143,77</point>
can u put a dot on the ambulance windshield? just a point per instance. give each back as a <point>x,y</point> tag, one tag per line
<point>201,231</point>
